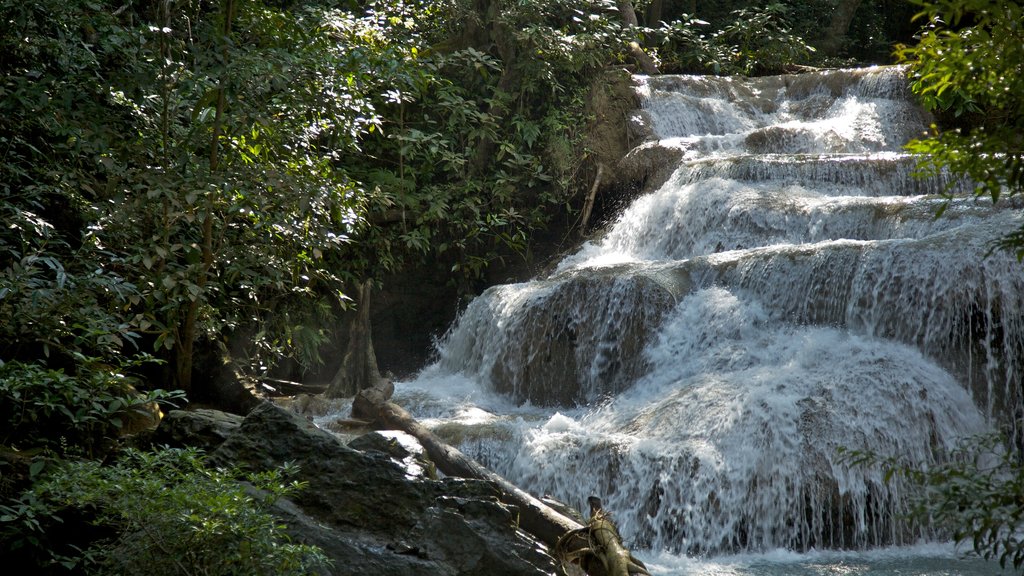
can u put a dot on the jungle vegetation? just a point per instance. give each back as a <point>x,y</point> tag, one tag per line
<point>182,180</point>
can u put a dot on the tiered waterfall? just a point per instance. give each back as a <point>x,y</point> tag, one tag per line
<point>787,291</point>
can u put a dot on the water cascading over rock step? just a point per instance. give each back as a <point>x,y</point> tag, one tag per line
<point>785,291</point>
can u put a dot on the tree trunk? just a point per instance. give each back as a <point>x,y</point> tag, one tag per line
<point>187,332</point>
<point>654,13</point>
<point>628,15</point>
<point>598,541</point>
<point>597,549</point>
<point>535,517</point>
<point>497,35</point>
<point>835,35</point>
<point>588,206</point>
<point>359,366</point>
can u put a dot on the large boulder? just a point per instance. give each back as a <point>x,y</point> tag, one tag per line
<point>480,538</point>
<point>200,428</point>
<point>351,552</point>
<point>371,516</point>
<point>403,448</point>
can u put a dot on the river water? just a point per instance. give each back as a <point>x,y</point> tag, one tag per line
<point>780,292</point>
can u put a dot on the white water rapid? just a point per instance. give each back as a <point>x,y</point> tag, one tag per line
<point>786,292</point>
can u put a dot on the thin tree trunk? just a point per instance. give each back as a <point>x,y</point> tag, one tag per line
<point>835,35</point>
<point>588,206</point>
<point>643,59</point>
<point>359,366</point>
<point>187,334</point>
<point>654,13</point>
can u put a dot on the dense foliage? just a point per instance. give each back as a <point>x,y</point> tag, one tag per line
<point>197,172</point>
<point>47,408</point>
<point>137,188</point>
<point>969,66</point>
<point>754,40</point>
<point>154,513</point>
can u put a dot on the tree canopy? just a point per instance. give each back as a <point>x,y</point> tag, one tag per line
<point>184,171</point>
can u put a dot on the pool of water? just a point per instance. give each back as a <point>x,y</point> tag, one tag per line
<point>925,560</point>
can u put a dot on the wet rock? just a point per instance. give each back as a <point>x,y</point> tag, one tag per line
<point>345,486</point>
<point>312,404</point>
<point>651,164</point>
<point>403,448</point>
<point>370,515</point>
<point>480,538</point>
<point>579,339</point>
<point>201,428</point>
<point>351,552</point>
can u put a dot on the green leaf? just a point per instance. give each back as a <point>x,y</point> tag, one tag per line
<point>36,467</point>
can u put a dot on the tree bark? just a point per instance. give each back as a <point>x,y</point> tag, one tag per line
<point>575,542</point>
<point>598,550</point>
<point>643,59</point>
<point>654,13</point>
<point>535,517</point>
<point>835,35</point>
<point>359,366</point>
<point>588,205</point>
<point>187,333</point>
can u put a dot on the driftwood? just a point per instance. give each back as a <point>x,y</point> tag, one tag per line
<point>278,387</point>
<point>535,517</point>
<point>565,535</point>
<point>597,547</point>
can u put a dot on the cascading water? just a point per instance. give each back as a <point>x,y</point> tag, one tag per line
<point>786,292</point>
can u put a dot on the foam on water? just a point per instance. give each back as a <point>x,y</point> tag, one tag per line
<point>716,214</point>
<point>917,560</point>
<point>730,441</point>
<point>837,113</point>
<point>786,293</point>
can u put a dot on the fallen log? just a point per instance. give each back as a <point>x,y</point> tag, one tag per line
<point>575,542</point>
<point>278,387</point>
<point>535,517</point>
<point>597,547</point>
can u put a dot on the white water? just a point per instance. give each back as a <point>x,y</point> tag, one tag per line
<point>785,293</point>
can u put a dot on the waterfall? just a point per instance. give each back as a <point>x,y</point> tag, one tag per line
<point>786,292</point>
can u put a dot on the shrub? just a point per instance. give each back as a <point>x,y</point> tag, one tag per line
<point>159,513</point>
<point>42,407</point>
